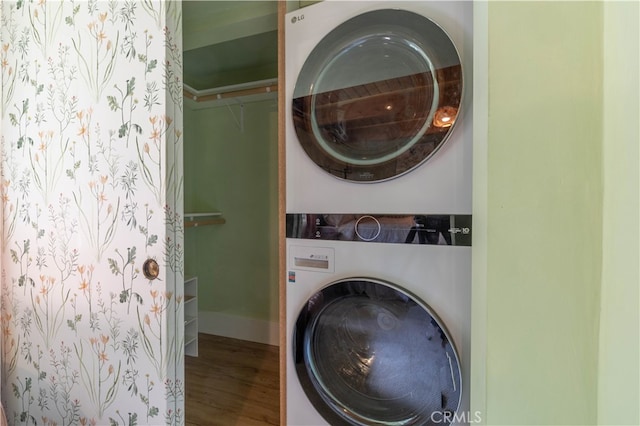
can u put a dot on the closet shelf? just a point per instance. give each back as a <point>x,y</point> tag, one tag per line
<point>202,219</point>
<point>188,339</point>
<point>232,91</point>
<point>191,316</point>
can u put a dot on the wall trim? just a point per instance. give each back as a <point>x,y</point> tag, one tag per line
<point>478,376</point>
<point>239,327</point>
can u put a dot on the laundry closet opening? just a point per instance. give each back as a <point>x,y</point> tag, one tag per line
<point>231,210</point>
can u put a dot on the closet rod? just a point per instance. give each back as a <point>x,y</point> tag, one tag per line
<point>200,222</point>
<point>236,91</point>
<point>200,219</point>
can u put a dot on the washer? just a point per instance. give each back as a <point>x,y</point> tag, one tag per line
<point>378,107</point>
<point>378,330</point>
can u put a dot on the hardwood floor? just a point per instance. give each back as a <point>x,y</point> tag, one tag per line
<point>232,382</point>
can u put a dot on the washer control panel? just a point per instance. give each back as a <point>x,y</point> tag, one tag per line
<point>432,229</point>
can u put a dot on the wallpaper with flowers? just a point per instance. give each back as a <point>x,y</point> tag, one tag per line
<point>91,187</point>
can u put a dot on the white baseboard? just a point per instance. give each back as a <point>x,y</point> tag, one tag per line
<point>239,327</point>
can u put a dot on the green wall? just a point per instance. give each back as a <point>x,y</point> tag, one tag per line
<point>543,246</point>
<point>234,171</point>
<point>619,376</point>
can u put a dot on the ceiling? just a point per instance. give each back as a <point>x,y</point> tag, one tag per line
<point>229,42</point>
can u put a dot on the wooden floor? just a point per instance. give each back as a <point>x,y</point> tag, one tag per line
<point>232,382</point>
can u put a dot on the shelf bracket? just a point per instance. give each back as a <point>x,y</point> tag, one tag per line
<point>240,123</point>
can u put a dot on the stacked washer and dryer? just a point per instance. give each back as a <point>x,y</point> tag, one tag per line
<point>378,199</point>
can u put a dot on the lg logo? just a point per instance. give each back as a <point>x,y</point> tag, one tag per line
<point>297,18</point>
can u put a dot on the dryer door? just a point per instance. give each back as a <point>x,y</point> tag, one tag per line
<point>368,353</point>
<point>378,95</point>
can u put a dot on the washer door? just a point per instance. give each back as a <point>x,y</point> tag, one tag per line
<point>378,95</point>
<point>368,353</point>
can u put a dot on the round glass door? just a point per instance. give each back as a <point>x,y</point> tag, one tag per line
<point>367,352</point>
<point>378,95</point>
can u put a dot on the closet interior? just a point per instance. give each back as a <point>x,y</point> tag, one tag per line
<point>230,186</point>
<point>230,158</point>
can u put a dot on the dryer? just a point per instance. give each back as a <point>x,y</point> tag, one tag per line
<point>378,110</point>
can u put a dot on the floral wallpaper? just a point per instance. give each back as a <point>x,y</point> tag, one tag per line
<point>91,187</point>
